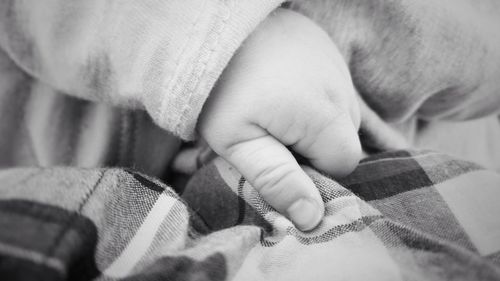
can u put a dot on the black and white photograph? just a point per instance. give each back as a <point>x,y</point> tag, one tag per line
<point>193,140</point>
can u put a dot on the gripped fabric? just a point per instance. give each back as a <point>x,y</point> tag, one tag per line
<point>402,215</point>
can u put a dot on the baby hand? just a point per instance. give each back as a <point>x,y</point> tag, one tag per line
<point>288,86</point>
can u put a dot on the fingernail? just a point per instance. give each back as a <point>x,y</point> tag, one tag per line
<point>305,214</point>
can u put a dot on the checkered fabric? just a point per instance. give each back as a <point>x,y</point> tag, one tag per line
<point>400,216</point>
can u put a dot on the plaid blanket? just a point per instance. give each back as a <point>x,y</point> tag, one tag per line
<point>400,216</point>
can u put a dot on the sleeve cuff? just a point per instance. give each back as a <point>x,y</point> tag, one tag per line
<point>217,35</point>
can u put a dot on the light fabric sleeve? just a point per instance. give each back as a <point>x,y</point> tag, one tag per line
<point>163,56</point>
<point>425,58</point>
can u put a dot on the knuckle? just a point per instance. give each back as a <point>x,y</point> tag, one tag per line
<point>271,180</point>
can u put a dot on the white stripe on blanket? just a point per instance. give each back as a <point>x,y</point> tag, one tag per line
<point>141,241</point>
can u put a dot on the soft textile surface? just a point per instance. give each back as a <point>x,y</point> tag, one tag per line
<point>399,216</point>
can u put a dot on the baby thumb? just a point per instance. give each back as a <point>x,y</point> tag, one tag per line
<point>273,171</point>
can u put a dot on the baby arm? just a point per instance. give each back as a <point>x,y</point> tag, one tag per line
<point>287,86</point>
<point>161,56</point>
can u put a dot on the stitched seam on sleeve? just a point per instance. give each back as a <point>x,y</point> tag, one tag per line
<point>204,63</point>
<point>197,69</point>
<point>168,88</point>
